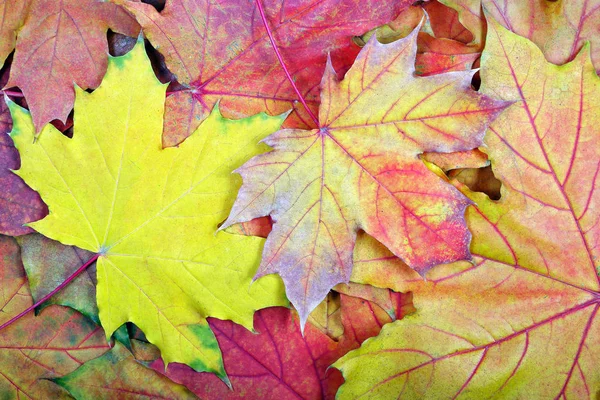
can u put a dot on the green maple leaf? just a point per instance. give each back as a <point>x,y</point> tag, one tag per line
<point>151,213</point>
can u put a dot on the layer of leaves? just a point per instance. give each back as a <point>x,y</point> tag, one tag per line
<point>58,43</point>
<point>37,348</point>
<point>113,190</point>
<point>117,374</point>
<point>439,45</point>
<point>281,362</point>
<point>361,170</point>
<point>327,316</point>
<point>559,28</point>
<point>221,51</point>
<point>522,321</point>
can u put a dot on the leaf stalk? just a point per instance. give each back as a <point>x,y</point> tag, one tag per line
<point>287,73</point>
<point>53,292</point>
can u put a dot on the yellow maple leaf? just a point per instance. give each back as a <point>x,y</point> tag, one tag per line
<point>151,213</point>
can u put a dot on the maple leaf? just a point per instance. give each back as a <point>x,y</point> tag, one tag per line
<point>523,320</point>
<point>559,28</point>
<point>361,170</point>
<point>56,44</point>
<point>221,50</point>
<point>18,203</point>
<point>437,51</point>
<point>36,348</point>
<point>281,362</point>
<point>118,372</point>
<point>151,213</point>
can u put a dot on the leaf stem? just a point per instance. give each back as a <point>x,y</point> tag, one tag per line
<point>287,73</point>
<point>52,293</point>
<point>12,93</point>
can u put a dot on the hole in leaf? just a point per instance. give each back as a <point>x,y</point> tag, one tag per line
<point>119,44</point>
<point>476,81</point>
<point>327,316</point>
<point>480,180</point>
<point>67,127</point>
<point>158,64</point>
<point>406,305</point>
<point>158,4</point>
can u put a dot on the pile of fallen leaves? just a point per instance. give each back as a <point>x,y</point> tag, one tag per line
<point>307,199</point>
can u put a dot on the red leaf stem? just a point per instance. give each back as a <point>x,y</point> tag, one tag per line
<point>287,73</point>
<point>12,93</point>
<point>52,293</point>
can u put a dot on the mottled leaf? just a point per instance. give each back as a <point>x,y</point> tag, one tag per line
<point>280,362</point>
<point>113,190</point>
<point>444,55</point>
<point>559,28</point>
<point>361,170</point>
<point>220,49</point>
<point>118,375</point>
<point>522,321</point>
<point>58,43</point>
<point>34,349</point>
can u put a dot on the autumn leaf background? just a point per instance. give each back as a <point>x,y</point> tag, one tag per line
<point>272,199</point>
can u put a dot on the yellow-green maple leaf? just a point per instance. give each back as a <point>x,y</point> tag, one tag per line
<point>152,213</point>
